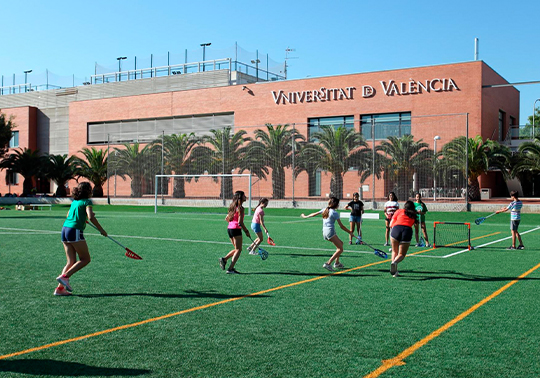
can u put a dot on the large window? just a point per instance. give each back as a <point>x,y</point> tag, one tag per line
<point>14,141</point>
<point>386,125</point>
<point>314,124</point>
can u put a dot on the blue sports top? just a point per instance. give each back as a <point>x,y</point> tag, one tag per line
<point>515,210</point>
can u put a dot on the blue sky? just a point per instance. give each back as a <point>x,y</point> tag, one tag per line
<point>330,38</point>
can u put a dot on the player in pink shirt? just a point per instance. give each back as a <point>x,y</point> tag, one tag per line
<point>256,223</point>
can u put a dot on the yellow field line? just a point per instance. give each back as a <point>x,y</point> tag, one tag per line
<point>62,342</point>
<point>398,360</point>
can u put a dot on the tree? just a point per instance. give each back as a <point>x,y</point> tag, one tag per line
<point>336,150</point>
<point>227,154</point>
<point>28,163</point>
<point>528,128</point>
<point>483,156</point>
<point>94,168</point>
<point>179,158</point>
<point>6,133</point>
<point>404,158</point>
<point>273,148</point>
<point>526,165</point>
<point>60,169</point>
<point>139,166</point>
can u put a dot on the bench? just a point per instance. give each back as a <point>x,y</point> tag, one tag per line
<point>36,206</point>
<point>364,216</point>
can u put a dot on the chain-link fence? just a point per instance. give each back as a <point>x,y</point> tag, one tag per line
<point>293,162</point>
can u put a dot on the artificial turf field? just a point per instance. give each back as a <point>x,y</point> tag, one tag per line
<point>177,314</point>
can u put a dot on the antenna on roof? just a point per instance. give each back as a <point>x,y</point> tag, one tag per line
<point>476,43</point>
<point>288,50</point>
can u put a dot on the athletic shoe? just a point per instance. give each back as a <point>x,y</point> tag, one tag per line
<point>511,247</point>
<point>393,268</point>
<point>327,267</point>
<point>350,243</point>
<point>339,266</point>
<point>521,247</point>
<point>428,245</point>
<point>387,244</point>
<point>253,252</point>
<point>222,263</point>
<point>396,275</point>
<point>64,281</point>
<point>61,290</point>
<point>417,245</point>
<point>232,271</point>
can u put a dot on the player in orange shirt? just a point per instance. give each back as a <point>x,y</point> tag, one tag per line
<point>401,234</point>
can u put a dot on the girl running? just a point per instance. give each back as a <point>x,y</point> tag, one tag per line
<point>401,234</point>
<point>421,210</point>
<point>330,216</point>
<point>256,223</point>
<point>73,238</point>
<point>390,208</point>
<point>355,219</point>
<point>235,217</point>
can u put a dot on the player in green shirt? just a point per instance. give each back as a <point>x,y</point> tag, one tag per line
<point>421,209</point>
<point>73,237</point>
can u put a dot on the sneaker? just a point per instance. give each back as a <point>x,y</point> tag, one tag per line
<point>387,244</point>
<point>521,247</point>
<point>339,266</point>
<point>428,245</point>
<point>350,243</point>
<point>222,263</point>
<point>328,267</point>
<point>359,240</point>
<point>232,271</point>
<point>61,290</point>
<point>511,247</point>
<point>396,275</point>
<point>64,281</point>
<point>253,252</point>
<point>417,245</point>
<point>393,268</point>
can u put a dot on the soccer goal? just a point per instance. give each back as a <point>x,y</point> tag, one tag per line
<point>200,190</point>
<point>452,234</point>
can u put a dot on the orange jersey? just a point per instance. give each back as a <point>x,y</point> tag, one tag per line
<point>401,219</point>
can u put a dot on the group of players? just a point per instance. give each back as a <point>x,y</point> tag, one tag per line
<point>399,229</point>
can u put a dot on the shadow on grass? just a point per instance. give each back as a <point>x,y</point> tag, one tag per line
<point>306,274</point>
<point>63,368</point>
<point>188,294</point>
<point>36,217</point>
<point>453,275</point>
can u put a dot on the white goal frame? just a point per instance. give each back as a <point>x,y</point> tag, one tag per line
<point>157,177</point>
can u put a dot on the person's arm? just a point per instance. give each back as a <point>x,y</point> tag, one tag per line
<point>344,228</point>
<point>502,210</point>
<point>241,221</point>
<point>311,215</point>
<point>92,218</point>
<point>262,223</point>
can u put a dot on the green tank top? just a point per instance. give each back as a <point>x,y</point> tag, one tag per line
<point>77,214</point>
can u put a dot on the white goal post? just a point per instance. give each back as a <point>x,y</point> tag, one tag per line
<point>204,188</point>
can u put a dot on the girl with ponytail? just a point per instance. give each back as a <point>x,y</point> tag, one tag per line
<point>235,218</point>
<point>330,216</point>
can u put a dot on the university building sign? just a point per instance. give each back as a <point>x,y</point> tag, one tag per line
<point>390,88</point>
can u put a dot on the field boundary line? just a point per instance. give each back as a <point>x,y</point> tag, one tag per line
<point>193,309</point>
<point>398,360</point>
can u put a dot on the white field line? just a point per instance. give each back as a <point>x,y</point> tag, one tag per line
<point>188,240</point>
<point>476,247</point>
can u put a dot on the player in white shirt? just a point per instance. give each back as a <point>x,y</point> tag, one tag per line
<point>390,208</point>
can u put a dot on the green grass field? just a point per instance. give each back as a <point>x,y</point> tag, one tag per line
<point>177,314</point>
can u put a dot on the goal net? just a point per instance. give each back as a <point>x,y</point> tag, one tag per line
<point>200,190</point>
<point>452,234</point>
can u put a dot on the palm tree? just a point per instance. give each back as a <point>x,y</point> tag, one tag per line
<point>336,150</point>
<point>139,166</point>
<point>227,154</point>
<point>273,148</point>
<point>179,158</point>
<point>60,169</point>
<point>28,163</point>
<point>403,158</point>
<point>526,164</point>
<point>483,156</point>
<point>94,168</point>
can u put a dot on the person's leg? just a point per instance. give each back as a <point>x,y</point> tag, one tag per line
<point>71,258</point>
<point>403,248</point>
<point>387,234</point>
<point>235,253</point>
<point>519,238</point>
<point>416,233</point>
<point>359,227</point>
<point>339,250</point>
<point>81,248</point>
<point>513,239</point>
<point>424,231</point>
<point>351,227</point>
<point>395,248</point>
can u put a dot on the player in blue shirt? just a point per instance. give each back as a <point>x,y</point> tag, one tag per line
<point>515,217</point>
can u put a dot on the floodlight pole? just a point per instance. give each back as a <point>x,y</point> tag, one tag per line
<point>467,205</point>
<point>108,178</point>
